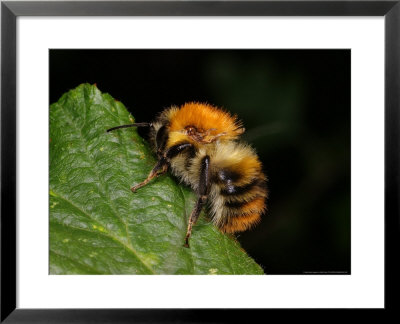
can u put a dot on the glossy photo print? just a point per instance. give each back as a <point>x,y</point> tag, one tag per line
<point>209,162</point>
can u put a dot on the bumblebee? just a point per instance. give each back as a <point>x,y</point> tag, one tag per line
<point>200,144</point>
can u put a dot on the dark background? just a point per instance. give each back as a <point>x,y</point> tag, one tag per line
<point>295,105</point>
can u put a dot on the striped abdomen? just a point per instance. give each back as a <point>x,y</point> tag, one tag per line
<point>238,193</point>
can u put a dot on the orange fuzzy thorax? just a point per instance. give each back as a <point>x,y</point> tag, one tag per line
<point>207,118</point>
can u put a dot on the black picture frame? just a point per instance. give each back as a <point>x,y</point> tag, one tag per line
<point>10,10</point>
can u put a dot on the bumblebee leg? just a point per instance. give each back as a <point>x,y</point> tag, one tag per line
<point>161,140</point>
<point>160,168</point>
<point>193,218</point>
<point>204,185</point>
<point>176,149</point>
<point>162,165</point>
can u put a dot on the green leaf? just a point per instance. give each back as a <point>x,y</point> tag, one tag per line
<point>97,225</point>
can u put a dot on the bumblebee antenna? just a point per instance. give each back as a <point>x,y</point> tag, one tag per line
<point>131,125</point>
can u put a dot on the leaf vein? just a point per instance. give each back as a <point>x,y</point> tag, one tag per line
<point>101,180</point>
<point>107,234</point>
